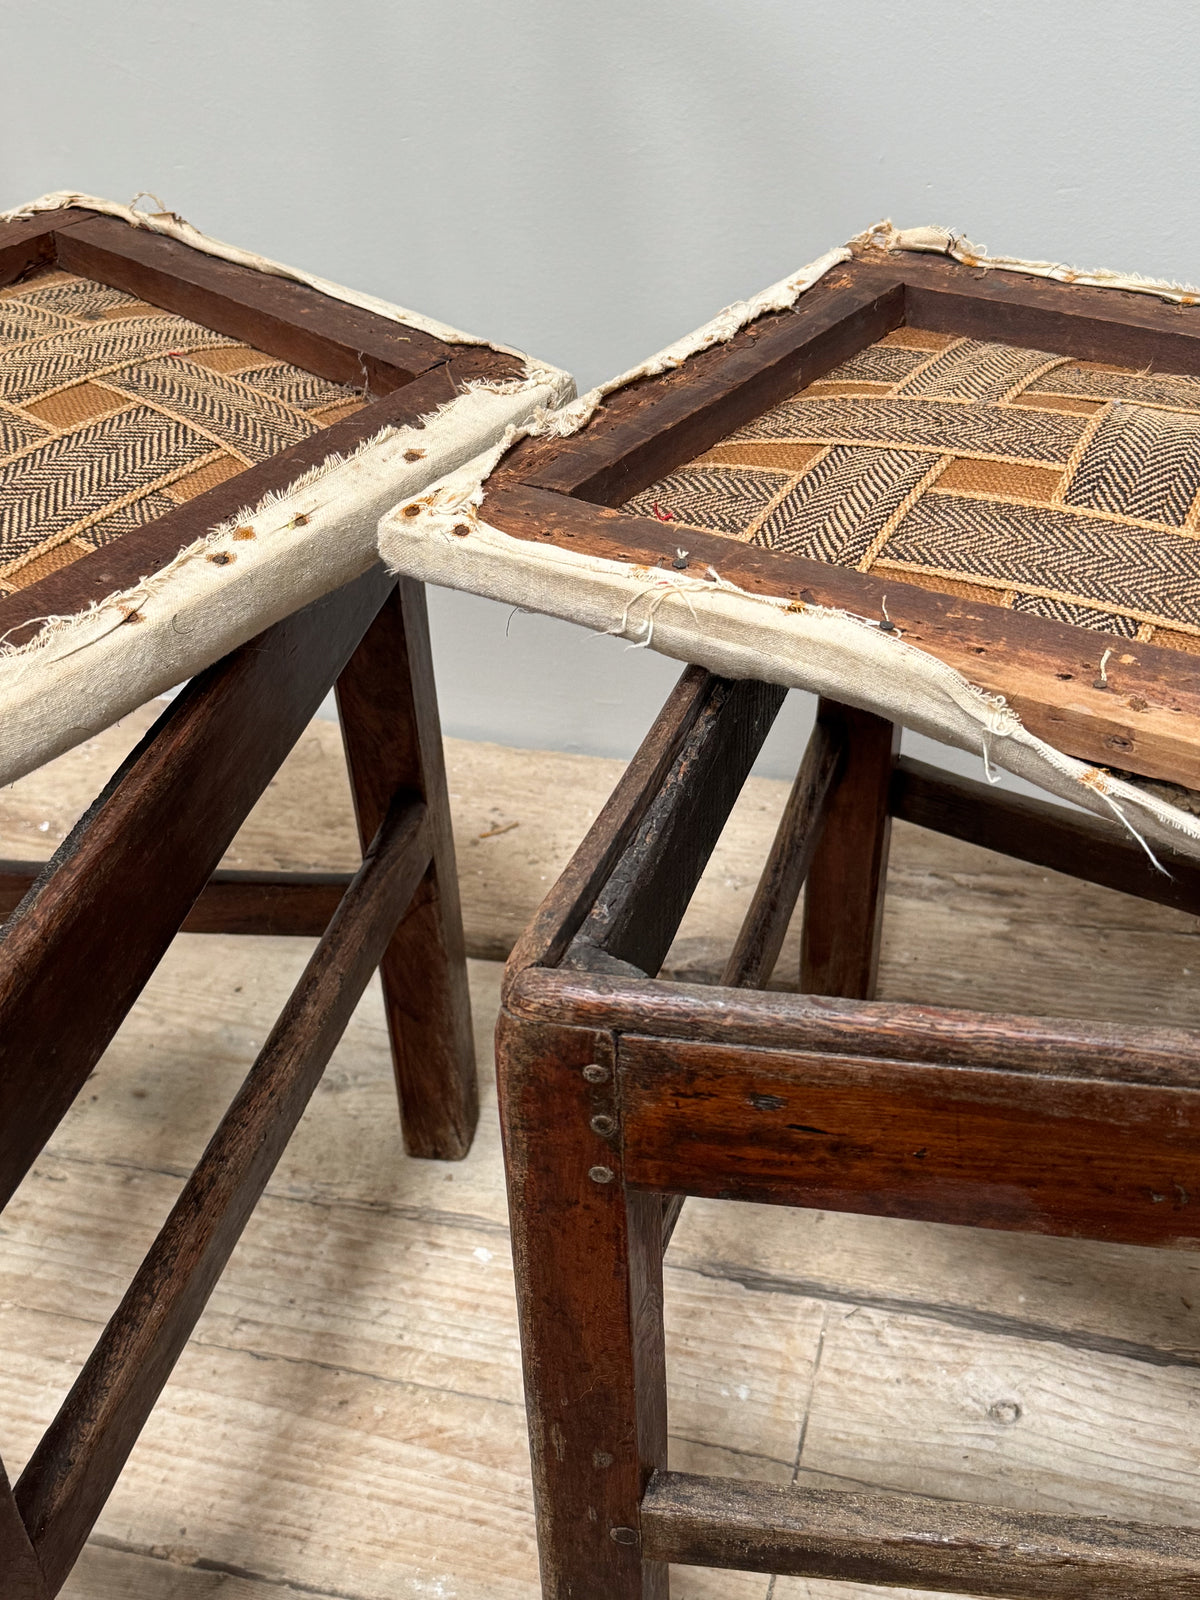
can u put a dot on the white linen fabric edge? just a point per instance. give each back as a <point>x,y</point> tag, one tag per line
<point>82,672</point>
<point>173,226</point>
<point>712,623</point>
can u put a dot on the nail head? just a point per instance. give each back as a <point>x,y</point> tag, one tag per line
<point>601,1174</point>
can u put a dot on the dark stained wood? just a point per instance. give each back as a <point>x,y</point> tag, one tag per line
<point>122,882</point>
<point>73,1469</point>
<point>274,314</point>
<point>651,426</point>
<point>589,1291</point>
<point>393,739</point>
<point>880,1029</point>
<point>1035,1151</point>
<point>1147,720</point>
<point>123,563</point>
<point>1047,835</point>
<point>31,245</point>
<point>640,907</point>
<point>20,1570</point>
<point>564,909</point>
<point>914,1542</point>
<point>760,938</point>
<point>1113,325</point>
<point>843,902</point>
<point>287,904</point>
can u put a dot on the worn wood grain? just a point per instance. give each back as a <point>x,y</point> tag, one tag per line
<point>844,895</point>
<point>100,921</point>
<point>764,928</point>
<point>1101,1159</point>
<point>905,1540</point>
<point>32,244</point>
<point>336,341</point>
<point>1146,720</point>
<point>80,1456</point>
<point>638,910</point>
<point>358,1275</point>
<point>958,920</point>
<point>1043,834</point>
<point>592,1341</point>
<point>387,700</point>
<point>20,1571</point>
<point>648,427</point>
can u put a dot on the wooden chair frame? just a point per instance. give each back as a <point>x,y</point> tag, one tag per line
<point>621,1093</point>
<point>86,930</point>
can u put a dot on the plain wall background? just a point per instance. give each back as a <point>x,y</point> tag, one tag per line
<point>589,181</point>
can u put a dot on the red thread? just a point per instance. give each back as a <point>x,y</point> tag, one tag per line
<point>663,516</point>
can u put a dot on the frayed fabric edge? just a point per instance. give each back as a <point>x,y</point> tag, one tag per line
<point>713,623</point>
<point>83,671</point>
<point>945,242</point>
<point>172,226</point>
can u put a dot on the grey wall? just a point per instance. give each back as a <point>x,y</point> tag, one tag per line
<point>588,181</point>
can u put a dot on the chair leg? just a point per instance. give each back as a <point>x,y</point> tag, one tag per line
<point>588,1261</point>
<point>392,735</point>
<point>22,1572</point>
<point>843,899</point>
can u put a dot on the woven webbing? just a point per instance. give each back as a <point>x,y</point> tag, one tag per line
<point>1065,488</point>
<point>113,412</point>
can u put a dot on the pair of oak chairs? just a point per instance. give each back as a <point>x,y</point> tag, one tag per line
<point>944,492</point>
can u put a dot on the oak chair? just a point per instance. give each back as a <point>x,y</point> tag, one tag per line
<point>172,417</point>
<point>1004,471</point>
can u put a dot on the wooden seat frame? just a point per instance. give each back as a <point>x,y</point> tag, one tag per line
<point>86,930</point>
<point>621,1093</point>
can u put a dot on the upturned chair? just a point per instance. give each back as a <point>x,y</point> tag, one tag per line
<point>946,492</point>
<point>195,447</point>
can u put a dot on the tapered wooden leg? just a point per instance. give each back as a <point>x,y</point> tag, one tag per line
<point>843,901</point>
<point>390,727</point>
<point>588,1261</point>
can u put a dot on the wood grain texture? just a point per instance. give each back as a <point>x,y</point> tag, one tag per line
<point>638,910</point>
<point>843,905</point>
<point>936,1035</point>
<point>125,561</point>
<point>916,1543</point>
<point>760,937</point>
<point>559,918</point>
<point>32,245</point>
<point>1146,720</point>
<point>1091,324</point>
<point>20,1571</point>
<point>1040,1153</point>
<point>1047,835</point>
<point>99,921</point>
<point>293,904</point>
<point>588,1268</point>
<point>648,427</point>
<point>274,314</point>
<point>393,739</point>
<point>79,1458</point>
<point>960,922</point>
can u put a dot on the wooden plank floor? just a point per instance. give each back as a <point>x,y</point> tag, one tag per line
<point>347,1422</point>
